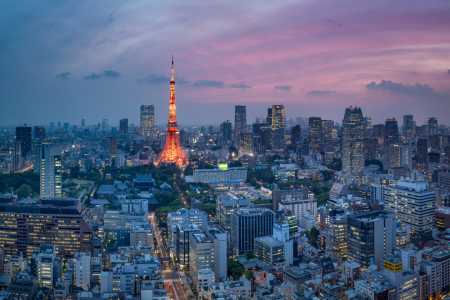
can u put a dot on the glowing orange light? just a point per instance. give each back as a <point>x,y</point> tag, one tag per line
<point>172,152</point>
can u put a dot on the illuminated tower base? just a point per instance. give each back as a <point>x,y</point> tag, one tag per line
<point>172,152</point>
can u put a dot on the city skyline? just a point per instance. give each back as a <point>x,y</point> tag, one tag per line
<point>314,58</point>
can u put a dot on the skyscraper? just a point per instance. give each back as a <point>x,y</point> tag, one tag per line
<point>370,236</point>
<point>105,124</point>
<point>296,136</point>
<point>408,128</point>
<point>38,144</point>
<point>17,160</point>
<point>390,137</point>
<point>277,128</point>
<point>422,155</point>
<point>327,132</point>
<point>83,124</point>
<point>269,117</point>
<point>432,126</point>
<point>112,146</point>
<point>401,155</point>
<point>370,148</point>
<point>240,119</point>
<point>246,144</point>
<point>248,224</point>
<point>147,120</point>
<point>123,127</point>
<point>315,134</point>
<point>225,130</point>
<point>378,132</point>
<point>51,171</point>
<point>39,132</point>
<point>353,141</point>
<point>23,135</point>
<point>368,131</point>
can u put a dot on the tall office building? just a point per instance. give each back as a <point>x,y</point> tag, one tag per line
<point>112,145</point>
<point>327,132</point>
<point>265,137</point>
<point>370,148</point>
<point>248,224</point>
<point>17,159</point>
<point>240,119</point>
<point>315,134</point>
<point>66,126</point>
<point>390,137</point>
<point>83,124</point>
<point>408,128</point>
<point>413,204</point>
<point>269,117</point>
<point>182,243</point>
<point>246,144</point>
<point>368,131</point>
<point>401,155</point>
<point>45,265</point>
<point>432,126</point>
<point>39,132</point>
<point>277,128</point>
<point>147,120</point>
<point>59,125</point>
<point>105,125</point>
<point>37,153</point>
<point>296,136</point>
<point>225,130</point>
<point>353,141</point>
<point>256,127</point>
<point>50,171</point>
<point>378,132</point>
<point>52,126</point>
<point>371,236</point>
<point>208,250</point>
<point>336,234</point>
<point>123,127</point>
<point>23,135</point>
<point>422,155</point>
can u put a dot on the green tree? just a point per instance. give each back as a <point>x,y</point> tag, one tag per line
<point>250,255</point>
<point>234,268</point>
<point>210,209</point>
<point>312,234</point>
<point>249,275</point>
<point>24,191</point>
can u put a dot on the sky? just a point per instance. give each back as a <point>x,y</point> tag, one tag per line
<point>69,60</point>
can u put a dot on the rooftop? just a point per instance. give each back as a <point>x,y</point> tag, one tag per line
<point>270,241</point>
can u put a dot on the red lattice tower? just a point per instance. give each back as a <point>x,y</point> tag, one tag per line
<point>172,152</point>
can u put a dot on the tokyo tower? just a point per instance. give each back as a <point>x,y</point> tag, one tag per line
<point>172,152</point>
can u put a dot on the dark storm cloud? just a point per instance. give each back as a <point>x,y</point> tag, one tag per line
<point>156,79</point>
<point>241,86</point>
<point>111,73</point>
<point>92,76</point>
<point>63,75</point>
<point>286,88</point>
<point>208,84</point>
<point>417,90</point>
<point>315,92</point>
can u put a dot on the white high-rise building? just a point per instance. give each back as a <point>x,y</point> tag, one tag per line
<point>413,204</point>
<point>82,262</point>
<point>401,155</point>
<point>45,262</point>
<point>50,171</point>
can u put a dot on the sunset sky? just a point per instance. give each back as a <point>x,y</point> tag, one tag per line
<point>68,60</point>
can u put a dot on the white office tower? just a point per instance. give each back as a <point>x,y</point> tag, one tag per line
<point>50,171</point>
<point>281,233</point>
<point>45,262</point>
<point>82,262</point>
<point>413,204</point>
<point>401,155</point>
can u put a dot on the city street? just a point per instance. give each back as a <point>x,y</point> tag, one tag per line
<point>169,275</point>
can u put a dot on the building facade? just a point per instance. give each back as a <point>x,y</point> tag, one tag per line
<point>353,141</point>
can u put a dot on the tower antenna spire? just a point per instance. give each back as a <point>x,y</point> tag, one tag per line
<point>172,67</point>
